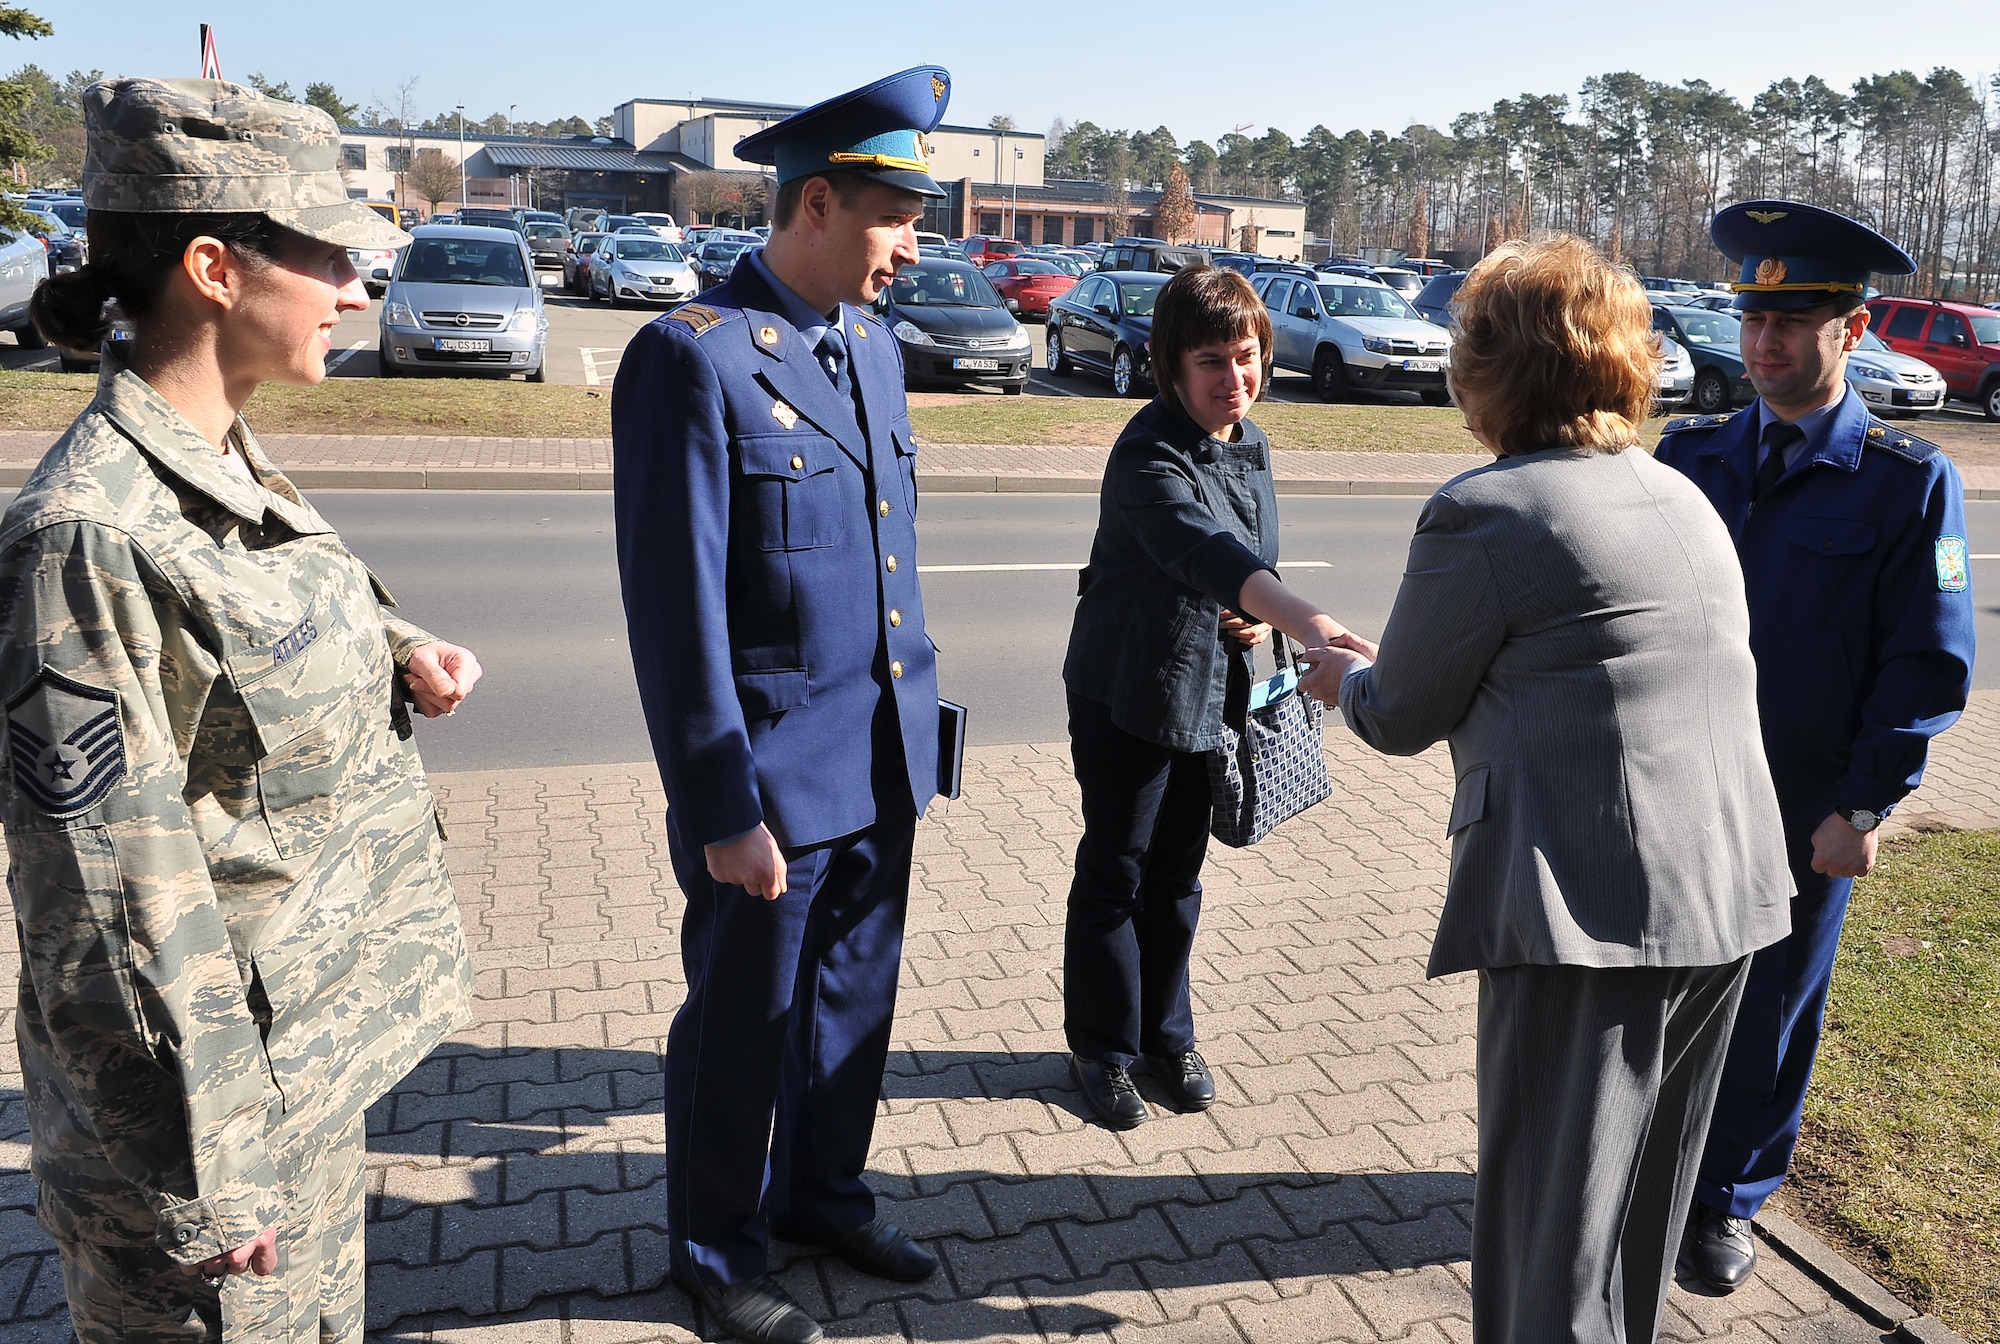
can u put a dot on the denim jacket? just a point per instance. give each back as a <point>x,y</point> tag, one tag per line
<point>1184,519</point>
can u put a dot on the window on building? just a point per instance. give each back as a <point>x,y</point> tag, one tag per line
<point>397,158</point>
<point>354,156</point>
<point>1086,229</point>
<point>989,223</point>
<point>1024,229</point>
<point>1052,226</point>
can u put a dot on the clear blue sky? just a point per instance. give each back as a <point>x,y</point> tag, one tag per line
<point>1198,69</point>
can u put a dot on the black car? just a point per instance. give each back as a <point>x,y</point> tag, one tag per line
<point>65,245</point>
<point>1433,301</point>
<point>1151,254</point>
<point>954,327</point>
<point>1105,325</point>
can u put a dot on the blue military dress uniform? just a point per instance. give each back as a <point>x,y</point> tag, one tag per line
<point>1861,623</point>
<point>766,506</point>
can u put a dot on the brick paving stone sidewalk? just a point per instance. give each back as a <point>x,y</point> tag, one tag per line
<point>516,1189</point>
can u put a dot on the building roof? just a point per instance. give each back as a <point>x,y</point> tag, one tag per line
<point>580,158</point>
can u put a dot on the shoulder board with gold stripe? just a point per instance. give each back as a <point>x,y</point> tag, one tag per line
<point>1906,446</point>
<point>697,317</point>
<point>1698,422</point>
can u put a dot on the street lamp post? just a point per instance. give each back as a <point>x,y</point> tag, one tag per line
<point>1014,203</point>
<point>461,156</point>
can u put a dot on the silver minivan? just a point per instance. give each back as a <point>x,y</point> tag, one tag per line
<point>464,300</point>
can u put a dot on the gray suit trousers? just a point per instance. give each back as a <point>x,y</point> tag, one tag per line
<point>1595,1087</point>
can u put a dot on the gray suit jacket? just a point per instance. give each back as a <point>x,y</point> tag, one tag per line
<point>1574,623</point>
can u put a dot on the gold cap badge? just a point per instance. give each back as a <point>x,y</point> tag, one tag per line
<point>937,87</point>
<point>1770,271</point>
<point>1767,216</point>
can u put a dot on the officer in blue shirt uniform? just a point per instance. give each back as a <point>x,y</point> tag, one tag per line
<point>1852,537</point>
<point>766,508</point>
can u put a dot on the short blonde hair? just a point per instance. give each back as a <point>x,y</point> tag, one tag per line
<point>1554,348</point>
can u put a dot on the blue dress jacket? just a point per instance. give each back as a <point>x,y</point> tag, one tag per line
<point>1861,616</point>
<point>767,553</point>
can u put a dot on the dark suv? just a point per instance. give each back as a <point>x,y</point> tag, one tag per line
<point>1433,301</point>
<point>1960,340</point>
<point>1151,254</point>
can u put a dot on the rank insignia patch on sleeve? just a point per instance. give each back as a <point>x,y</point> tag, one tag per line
<point>65,743</point>
<point>1951,559</point>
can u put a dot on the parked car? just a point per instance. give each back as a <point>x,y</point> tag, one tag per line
<point>464,300</point>
<point>1427,266</point>
<point>1244,262</point>
<point>983,249</point>
<point>69,209</point>
<point>375,265</point>
<point>490,217</point>
<point>66,247</point>
<point>1105,325</point>
<point>635,268</point>
<point>540,217</point>
<point>1027,284</point>
<point>1715,342</point>
<point>1894,385</point>
<point>24,264</point>
<point>1960,339</point>
<point>1676,381</point>
<point>715,260</point>
<point>1714,303</point>
<point>1354,335</point>
<point>576,261</point>
<point>586,219</point>
<point>1669,284</point>
<point>613,223</point>
<point>931,239</point>
<point>953,327</point>
<point>662,224</point>
<point>547,242</point>
<point>1433,301</point>
<point>444,217</point>
<point>1406,282</point>
<point>1150,254</point>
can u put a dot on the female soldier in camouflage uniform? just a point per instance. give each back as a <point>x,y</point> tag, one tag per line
<point>226,868</point>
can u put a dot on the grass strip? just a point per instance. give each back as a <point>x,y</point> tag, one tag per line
<point>1899,1163</point>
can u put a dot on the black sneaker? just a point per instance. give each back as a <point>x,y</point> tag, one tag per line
<point>1109,1090</point>
<point>1186,1078</point>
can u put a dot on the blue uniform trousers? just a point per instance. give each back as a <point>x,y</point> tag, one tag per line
<point>1763,1094</point>
<point>774,1063</point>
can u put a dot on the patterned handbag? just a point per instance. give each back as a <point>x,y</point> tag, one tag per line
<point>1272,767</point>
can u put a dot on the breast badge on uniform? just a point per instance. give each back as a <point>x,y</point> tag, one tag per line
<point>1951,557</point>
<point>65,743</point>
<point>784,414</point>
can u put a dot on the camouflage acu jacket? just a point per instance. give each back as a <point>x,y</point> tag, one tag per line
<point>236,929</point>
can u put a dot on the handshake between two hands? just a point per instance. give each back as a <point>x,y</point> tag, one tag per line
<point>1329,656</point>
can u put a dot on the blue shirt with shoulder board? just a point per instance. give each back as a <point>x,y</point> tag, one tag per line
<point>1861,615</point>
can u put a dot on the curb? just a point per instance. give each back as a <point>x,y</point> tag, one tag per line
<point>1860,1293</point>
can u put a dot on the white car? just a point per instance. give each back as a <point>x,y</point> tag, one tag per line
<point>1354,335</point>
<point>661,224</point>
<point>640,268</point>
<point>1893,384</point>
<point>375,266</point>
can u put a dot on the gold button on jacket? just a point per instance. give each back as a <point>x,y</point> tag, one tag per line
<point>896,669</point>
<point>891,564</point>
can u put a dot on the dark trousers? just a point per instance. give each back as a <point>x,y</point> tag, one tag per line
<point>774,1063</point>
<point>1595,1087</point>
<point>1763,1097</point>
<point>1136,897</point>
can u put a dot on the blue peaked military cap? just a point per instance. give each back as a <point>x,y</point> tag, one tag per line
<point>877,129</point>
<point>1800,256</point>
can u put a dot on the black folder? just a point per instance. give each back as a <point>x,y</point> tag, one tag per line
<point>951,748</point>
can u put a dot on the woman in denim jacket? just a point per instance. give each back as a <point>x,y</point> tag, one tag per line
<point>1182,580</point>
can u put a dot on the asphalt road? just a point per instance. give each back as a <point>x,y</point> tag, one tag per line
<point>529,581</point>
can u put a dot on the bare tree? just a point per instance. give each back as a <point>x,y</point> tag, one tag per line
<point>1176,209</point>
<point>432,175</point>
<point>1117,191</point>
<point>716,194</point>
<point>398,112</point>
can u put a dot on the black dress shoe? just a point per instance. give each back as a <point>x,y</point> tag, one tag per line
<point>879,1248</point>
<point>1186,1078</point>
<point>759,1311</point>
<point>1721,1248</point>
<point>1110,1091</point>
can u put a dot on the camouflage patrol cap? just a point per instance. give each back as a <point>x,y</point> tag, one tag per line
<point>187,146</point>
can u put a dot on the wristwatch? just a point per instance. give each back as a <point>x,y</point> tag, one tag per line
<point>1860,818</point>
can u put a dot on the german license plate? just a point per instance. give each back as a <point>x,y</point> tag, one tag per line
<point>977,365</point>
<point>1420,366</point>
<point>463,345</point>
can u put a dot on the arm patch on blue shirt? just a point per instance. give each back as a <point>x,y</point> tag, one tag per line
<point>1951,557</point>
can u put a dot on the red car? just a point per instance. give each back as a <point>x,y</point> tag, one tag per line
<point>981,249</point>
<point>1028,283</point>
<point>1961,341</point>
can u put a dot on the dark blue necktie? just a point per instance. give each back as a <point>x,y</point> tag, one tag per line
<point>832,353</point>
<point>1778,437</point>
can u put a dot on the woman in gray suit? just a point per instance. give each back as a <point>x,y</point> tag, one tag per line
<point>1572,622</point>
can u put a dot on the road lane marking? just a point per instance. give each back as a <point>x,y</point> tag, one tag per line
<point>593,376</point>
<point>1994,556</point>
<point>1031,569</point>
<point>349,353</point>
